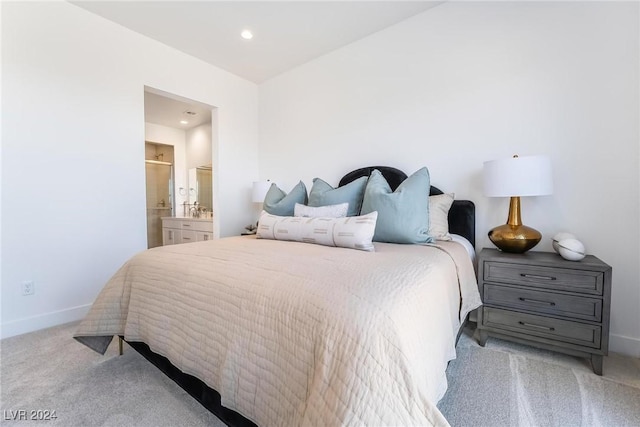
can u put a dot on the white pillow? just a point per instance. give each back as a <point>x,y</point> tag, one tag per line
<point>354,232</point>
<point>329,211</point>
<point>439,206</point>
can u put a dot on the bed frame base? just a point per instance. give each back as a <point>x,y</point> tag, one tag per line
<point>208,397</point>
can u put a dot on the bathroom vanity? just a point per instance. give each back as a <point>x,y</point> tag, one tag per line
<point>186,230</point>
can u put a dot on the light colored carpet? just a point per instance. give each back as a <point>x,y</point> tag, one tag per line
<point>49,370</point>
<point>503,384</point>
<point>508,384</point>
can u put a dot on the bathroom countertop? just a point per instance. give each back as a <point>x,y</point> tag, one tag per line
<point>188,218</point>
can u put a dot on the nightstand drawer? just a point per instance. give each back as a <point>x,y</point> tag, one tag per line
<point>582,281</point>
<point>577,307</point>
<point>544,327</point>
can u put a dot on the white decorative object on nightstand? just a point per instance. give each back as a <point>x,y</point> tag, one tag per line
<point>571,249</point>
<point>560,236</point>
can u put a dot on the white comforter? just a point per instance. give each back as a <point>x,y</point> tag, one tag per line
<point>298,334</point>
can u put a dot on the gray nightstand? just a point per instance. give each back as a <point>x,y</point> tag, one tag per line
<point>541,299</point>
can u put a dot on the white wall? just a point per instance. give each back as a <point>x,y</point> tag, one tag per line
<point>73,189</point>
<point>199,146</point>
<point>468,82</point>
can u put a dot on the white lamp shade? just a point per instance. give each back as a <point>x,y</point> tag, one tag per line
<point>518,176</point>
<point>260,189</point>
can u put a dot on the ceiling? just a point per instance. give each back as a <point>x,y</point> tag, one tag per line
<point>162,110</point>
<point>286,33</point>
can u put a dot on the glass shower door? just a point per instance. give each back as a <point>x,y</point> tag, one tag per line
<point>159,198</point>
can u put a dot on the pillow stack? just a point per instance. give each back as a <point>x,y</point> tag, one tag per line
<point>344,216</point>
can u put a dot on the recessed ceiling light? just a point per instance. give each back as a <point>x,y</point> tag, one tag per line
<point>184,122</point>
<point>246,34</point>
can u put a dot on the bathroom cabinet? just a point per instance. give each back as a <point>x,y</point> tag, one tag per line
<point>186,230</point>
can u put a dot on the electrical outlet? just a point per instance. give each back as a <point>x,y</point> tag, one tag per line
<point>28,288</point>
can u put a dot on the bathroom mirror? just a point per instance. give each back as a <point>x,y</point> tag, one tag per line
<point>201,186</point>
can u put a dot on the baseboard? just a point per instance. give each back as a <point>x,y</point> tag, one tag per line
<point>624,345</point>
<point>42,321</point>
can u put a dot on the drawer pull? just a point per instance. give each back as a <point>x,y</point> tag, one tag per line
<point>186,225</point>
<point>187,238</point>
<point>537,277</point>
<point>537,301</point>
<point>546,328</point>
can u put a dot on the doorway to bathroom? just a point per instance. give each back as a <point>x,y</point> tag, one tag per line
<point>179,163</point>
<point>159,181</point>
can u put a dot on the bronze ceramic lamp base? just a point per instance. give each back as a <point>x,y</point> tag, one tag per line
<point>514,237</point>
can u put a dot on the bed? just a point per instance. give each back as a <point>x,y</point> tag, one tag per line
<point>267,332</point>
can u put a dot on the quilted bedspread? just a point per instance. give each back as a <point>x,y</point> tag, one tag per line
<point>298,334</point>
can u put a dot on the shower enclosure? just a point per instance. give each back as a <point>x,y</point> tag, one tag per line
<point>159,179</point>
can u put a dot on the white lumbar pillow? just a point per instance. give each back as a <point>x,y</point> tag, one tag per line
<point>560,236</point>
<point>571,249</point>
<point>354,232</point>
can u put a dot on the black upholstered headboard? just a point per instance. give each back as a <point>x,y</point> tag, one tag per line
<point>462,215</point>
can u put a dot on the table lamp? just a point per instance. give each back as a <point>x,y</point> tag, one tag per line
<point>517,177</point>
<point>258,193</point>
<point>260,189</point>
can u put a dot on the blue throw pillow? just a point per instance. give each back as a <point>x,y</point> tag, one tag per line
<point>403,215</point>
<point>322,194</point>
<point>277,202</point>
